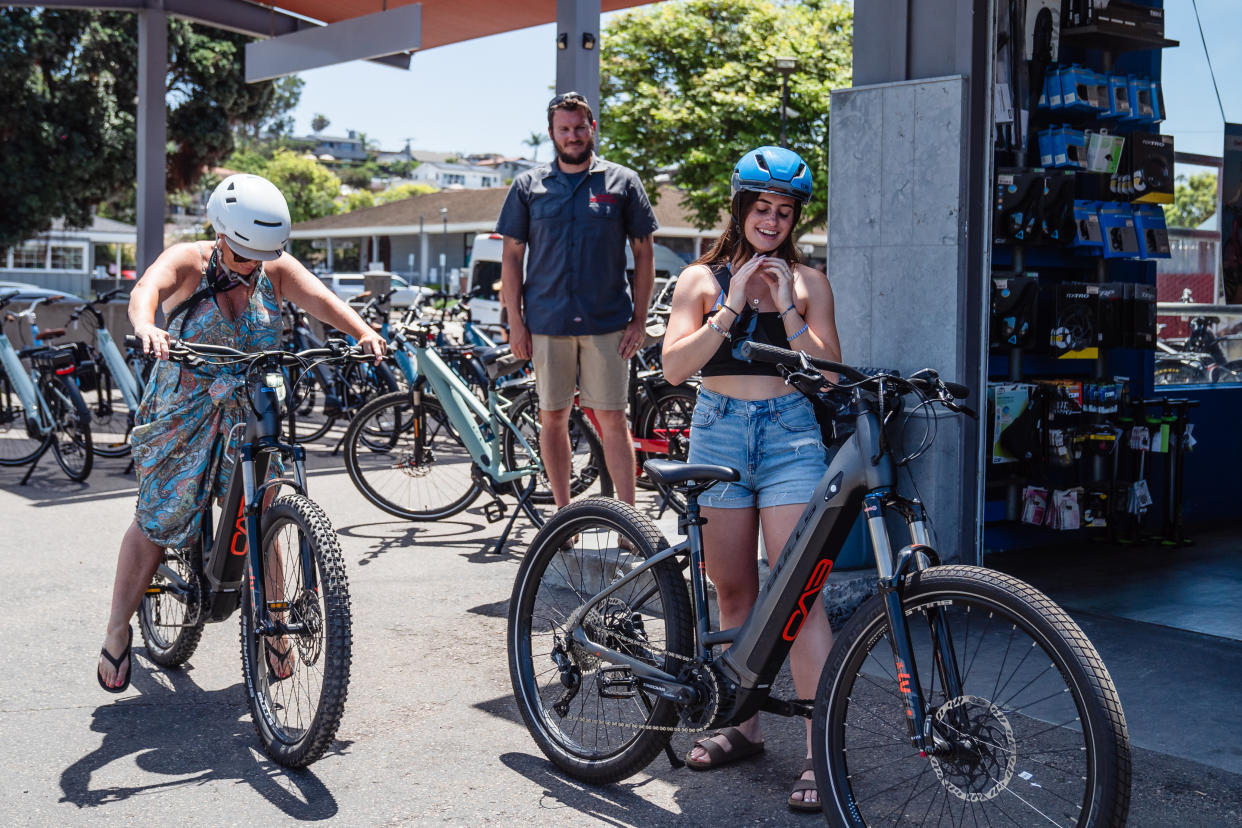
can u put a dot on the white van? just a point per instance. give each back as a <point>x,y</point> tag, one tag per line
<point>485,272</point>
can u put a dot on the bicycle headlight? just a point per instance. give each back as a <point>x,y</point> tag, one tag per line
<point>276,381</point>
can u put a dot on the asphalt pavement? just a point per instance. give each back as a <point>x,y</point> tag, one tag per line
<point>431,734</point>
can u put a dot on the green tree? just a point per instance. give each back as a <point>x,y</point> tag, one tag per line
<point>404,191</point>
<point>68,81</point>
<point>1194,200</point>
<point>310,188</point>
<point>356,200</point>
<point>319,123</point>
<point>535,141</point>
<point>690,86</point>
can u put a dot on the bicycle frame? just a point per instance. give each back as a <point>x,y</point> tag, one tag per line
<point>24,386</point>
<point>466,413</point>
<point>237,539</point>
<point>861,475</point>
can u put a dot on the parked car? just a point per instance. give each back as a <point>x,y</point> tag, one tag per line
<point>31,292</point>
<point>349,285</point>
<point>485,273</point>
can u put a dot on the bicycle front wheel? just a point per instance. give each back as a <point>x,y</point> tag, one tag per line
<point>595,721</point>
<point>588,474</point>
<point>111,418</point>
<point>297,681</point>
<point>1035,737</point>
<point>20,441</point>
<point>385,464</point>
<point>71,427</point>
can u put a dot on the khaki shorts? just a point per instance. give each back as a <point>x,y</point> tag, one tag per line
<point>589,363</point>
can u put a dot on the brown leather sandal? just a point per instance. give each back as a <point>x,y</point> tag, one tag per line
<point>801,786</point>
<point>739,748</point>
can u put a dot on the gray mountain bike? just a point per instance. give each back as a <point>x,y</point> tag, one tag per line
<point>956,696</point>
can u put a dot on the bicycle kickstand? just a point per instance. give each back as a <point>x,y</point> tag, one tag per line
<point>523,506</point>
<point>35,462</point>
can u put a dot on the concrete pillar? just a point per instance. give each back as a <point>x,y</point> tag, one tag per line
<point>908,224</point>
<point>577,67</point>
<point>152,133</point>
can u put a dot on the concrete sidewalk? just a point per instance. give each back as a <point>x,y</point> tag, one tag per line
<point>431,734</point>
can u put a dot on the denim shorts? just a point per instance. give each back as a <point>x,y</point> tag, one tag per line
<point>775,444</point>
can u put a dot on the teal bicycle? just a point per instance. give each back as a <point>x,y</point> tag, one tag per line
<point>41,407</point>
<point>428,452</point>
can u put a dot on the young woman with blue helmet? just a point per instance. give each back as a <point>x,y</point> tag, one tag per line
<point>750,285</point>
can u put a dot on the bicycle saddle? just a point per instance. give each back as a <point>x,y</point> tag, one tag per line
<point>499,361</point>
<point>668,472</point>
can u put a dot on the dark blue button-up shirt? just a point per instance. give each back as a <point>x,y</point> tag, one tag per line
<point>576,228</point>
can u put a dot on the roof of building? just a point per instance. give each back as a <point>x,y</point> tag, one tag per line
<point>477,210</point>
<point>448,21</point>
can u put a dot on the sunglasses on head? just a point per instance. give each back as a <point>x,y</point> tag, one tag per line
<point>568,96</point>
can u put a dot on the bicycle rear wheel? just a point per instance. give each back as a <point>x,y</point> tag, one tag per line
<point>297,716</point>
<point>594,721</point>
<point>588,474</point>
<point>1036,737</point>
<point>667,418</point>
<point>20,441</point>
<point>381,459</point>
<point>71,421</point>
<point>171,615</point>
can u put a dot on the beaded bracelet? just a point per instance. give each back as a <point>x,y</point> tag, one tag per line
<point>797,333</point>
<point>781,315</point>
<point>711,323</point>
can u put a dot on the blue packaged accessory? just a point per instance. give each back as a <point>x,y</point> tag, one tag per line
<point>1151,230</point>
<point>1117,228</point>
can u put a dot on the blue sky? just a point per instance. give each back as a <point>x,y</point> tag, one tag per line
<point>488,95</point>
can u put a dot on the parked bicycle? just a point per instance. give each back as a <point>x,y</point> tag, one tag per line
<point>41,407</point>
<point>1200,358</point>
<point>430,451</point>
<point>328,393</point>
<point>956,696</point>
<point>110,382</point>
<point>275,557</point>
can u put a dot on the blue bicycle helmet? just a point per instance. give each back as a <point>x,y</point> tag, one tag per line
<point>773,170</point>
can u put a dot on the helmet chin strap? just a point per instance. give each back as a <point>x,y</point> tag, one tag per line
<point>222,283</point>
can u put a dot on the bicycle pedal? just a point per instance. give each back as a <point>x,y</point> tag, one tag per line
<point>494,512</point>
<point>623,687</point>
<point>277,606</point>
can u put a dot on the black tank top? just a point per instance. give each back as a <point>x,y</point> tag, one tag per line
<point>769,329</point>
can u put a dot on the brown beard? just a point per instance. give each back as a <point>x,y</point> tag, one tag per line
<point>580,157</point>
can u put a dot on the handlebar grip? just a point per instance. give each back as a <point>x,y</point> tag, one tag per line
<point>759,352</point>
<point>132,341</point>
<point>959,391</point>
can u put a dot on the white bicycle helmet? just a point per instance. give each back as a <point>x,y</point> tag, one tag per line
<point>252,214</point>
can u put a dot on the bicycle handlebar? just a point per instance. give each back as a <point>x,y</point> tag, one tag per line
<point>179,351</point>
<point>796,361</point>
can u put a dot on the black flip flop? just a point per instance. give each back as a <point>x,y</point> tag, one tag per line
<point>270,650</point>
<point>115,661</point>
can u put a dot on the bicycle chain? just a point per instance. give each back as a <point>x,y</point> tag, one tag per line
<point>596,618</point>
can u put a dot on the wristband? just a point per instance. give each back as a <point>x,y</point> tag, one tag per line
<point>711,323</point>
<point>791,307</point>
<point>797,333</point>
<point>729,309</point>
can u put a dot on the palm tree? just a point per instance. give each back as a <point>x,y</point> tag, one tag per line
<point>535,141</point>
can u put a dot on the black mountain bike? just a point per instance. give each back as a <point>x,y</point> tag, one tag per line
<point>275,557</point>
<point>956,696</point>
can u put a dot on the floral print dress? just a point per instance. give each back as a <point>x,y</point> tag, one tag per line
<point>186,417</point>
